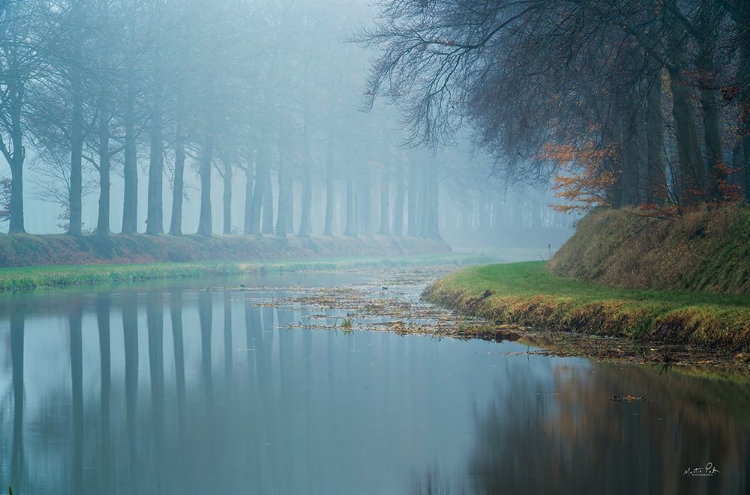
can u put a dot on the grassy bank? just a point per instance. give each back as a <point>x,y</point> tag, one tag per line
<point>38,277</point>
<point>707,250</point>
<point>528,294</point>
<point>33,250</point>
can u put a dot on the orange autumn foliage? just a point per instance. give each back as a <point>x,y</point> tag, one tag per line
<point>583,179</point>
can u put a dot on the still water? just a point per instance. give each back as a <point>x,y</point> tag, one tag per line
<point>174,389</point>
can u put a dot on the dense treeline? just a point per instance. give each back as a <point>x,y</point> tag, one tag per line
<point>262,95</point>
<point>624,103</point>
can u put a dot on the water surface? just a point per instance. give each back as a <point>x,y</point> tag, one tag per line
<point>174,389</point>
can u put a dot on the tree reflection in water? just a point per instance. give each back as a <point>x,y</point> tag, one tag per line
<point>103,305</point>
<point>575,440</point>
<point>17,463</point>
<point>130,346</point>
<point>316,412</point>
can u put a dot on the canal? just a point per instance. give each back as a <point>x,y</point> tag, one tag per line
<point>260,386</point>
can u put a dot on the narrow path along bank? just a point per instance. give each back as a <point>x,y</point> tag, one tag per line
<point>528,295</point>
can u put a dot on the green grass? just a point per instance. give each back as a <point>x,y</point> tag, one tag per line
<point>39,277</point>
<point>530,295</point>
<point>532,278</point>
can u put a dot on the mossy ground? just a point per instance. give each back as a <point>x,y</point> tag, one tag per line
<point>529,294</point>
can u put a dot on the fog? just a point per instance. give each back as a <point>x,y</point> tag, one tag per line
<point>264,104</point>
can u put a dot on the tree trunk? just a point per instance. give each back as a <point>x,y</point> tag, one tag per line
<point>656,186</point>
<point>178,191</point>
<point>249,183</point>
<point>613,138</point>
<point>102,225</point>
<point>717,172</point>
<point>385,203</point>
<point>365,195</point>
<point>351,216</point>
<point>743,27</point>
<point>398,207</point>
<point>629,160</point>
<point>15,156</point>
<point>227,197</point>
<point>305,229</point>
<point>714,148</point>
<point>268,204</point>
<point>16,224</point>
<point>262,170</point>
<point>518,207</point>
<point>205,224</point>
<point>484,211</point>
<point>740,12</point>
<point>154,214</point>
<point>745,122</point>
<point>130,168</point>
<point>102,221</point>
<point>76,154</point>
<point>330,198</point>
<point>536,214</point>
<point>413,203</point>
<point>424,203</point>
<point>283,179</point>
<point>691,169</point>
<point>498,210</point>
<point>432,204</point>
<point>289,204</point>
<point>466,213</point>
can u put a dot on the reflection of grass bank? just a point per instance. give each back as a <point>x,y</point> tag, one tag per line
<point>527,294</point>
<point>36,277</point>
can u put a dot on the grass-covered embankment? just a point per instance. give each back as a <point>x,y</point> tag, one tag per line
<point>706,250</point>
<point>40,277</point>
<point>34,250</point>
<point>528,294</point>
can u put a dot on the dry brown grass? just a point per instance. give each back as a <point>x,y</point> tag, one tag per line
<point>704,250</point>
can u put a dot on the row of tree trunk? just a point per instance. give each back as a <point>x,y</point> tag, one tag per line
<point>407,199</point>
<point>702,169</point>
